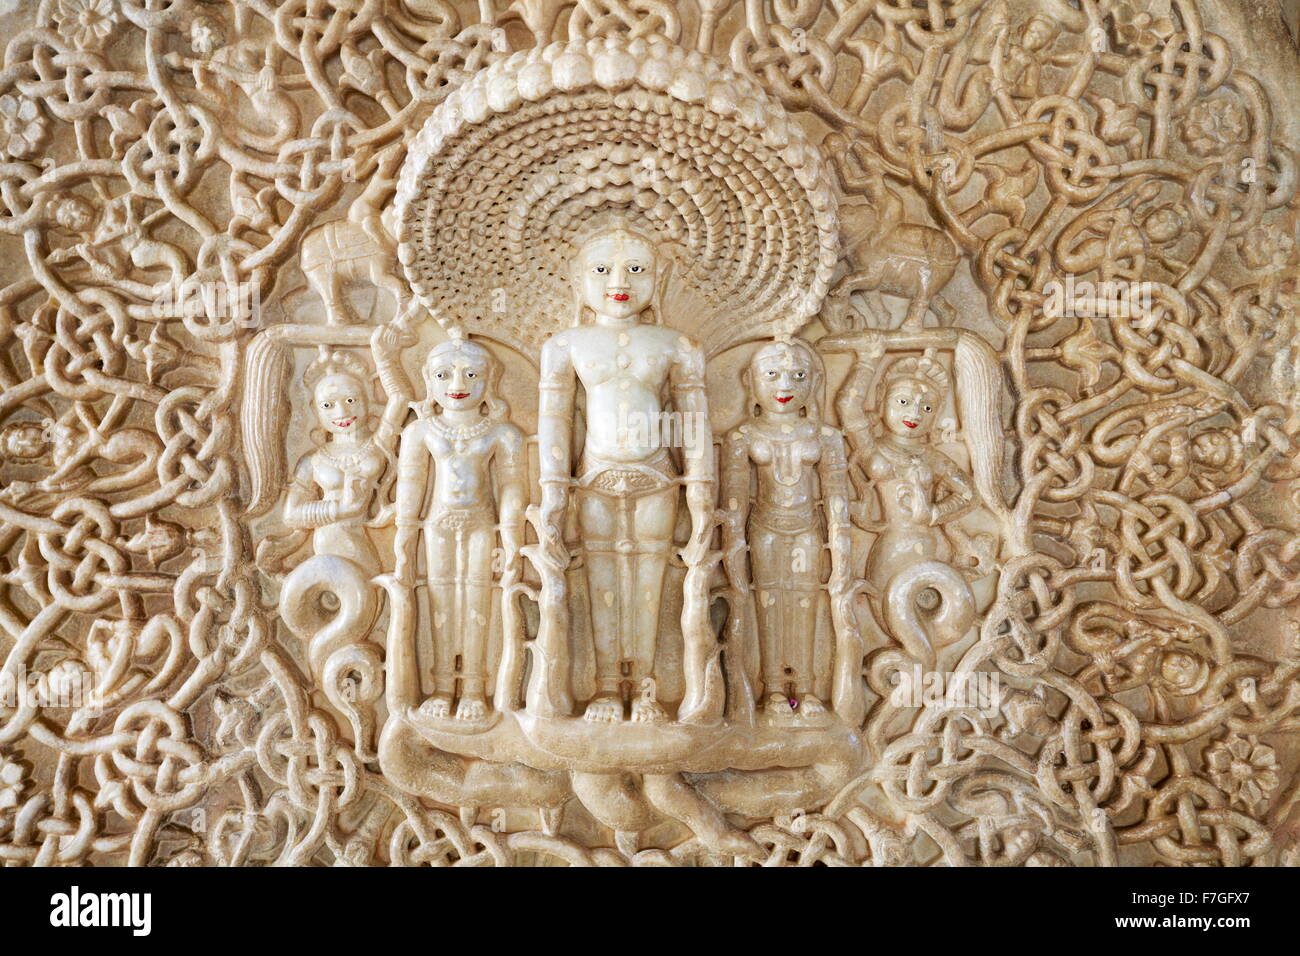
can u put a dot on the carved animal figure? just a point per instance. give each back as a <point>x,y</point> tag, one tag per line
<point>357,248</point>
<point>888,255</point>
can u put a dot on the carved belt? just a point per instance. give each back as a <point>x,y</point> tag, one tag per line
<point>461,519</point>
<point>786,522</point>
<point>627,478</point>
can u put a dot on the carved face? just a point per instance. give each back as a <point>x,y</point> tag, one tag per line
<point>23,442</point>
<point>1164,224</point>
<point>74,214</point>
<point>1213,449</point>
<point>616,275</point>
<point>1039,33</point>
<point>457,380</point>
<point>781,379</point>
<point>205,36</point>
<point>910,408</point>
<point>341,404</point>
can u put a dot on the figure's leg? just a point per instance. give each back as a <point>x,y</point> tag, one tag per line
<point>337,309</point>
<point>440,560</point>
<point>769,558</point>
<point>598,521</point>
<point>915,319</point>
<point>387,280</point>
<point>474,623</point>
<point>800,636</point>
<point>857,281</point>
<point>652,534</point>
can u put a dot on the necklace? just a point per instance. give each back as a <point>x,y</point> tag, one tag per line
<point>459,433</point>
<point>350,461</point>
<point>898,455</point>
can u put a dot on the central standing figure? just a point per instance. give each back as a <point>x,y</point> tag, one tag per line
<point>626,483</point>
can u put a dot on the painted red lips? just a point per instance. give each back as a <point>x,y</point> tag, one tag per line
<point>784,400</point>
<point>458,395</point>
<point>619,296</point>
<point>910,424</point>
<point>344,422</point>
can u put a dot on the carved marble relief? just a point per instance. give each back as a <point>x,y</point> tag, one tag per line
<point>679,433</point>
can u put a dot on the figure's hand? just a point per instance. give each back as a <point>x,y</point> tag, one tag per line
<point>869,345</point>
<point>353,508</point>
<point>390,337</point>
<point>550,549</point>
<point>555,499</point>
<point>913,500</point>
<point>696,551</point>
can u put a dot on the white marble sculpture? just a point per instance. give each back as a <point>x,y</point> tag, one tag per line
<point>658,434</point>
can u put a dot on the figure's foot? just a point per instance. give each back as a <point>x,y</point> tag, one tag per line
<point>811,706</point>
<point>439,705</point>
<point>778,705</point>
<point>471,708</point>
<point>605,709</point>
<point>646,710</point>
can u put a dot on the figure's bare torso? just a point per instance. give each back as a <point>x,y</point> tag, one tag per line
<point>461,478</point>
<point>787,472</point>
<point>624,371</point>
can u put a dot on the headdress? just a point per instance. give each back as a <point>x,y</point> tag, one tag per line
<point>516,163</point>
<point>926,369</point>
<point>335,363</point>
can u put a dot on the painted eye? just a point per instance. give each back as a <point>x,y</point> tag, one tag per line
<point>351,400</point>
<point>800,376</point>
<point>902,401</point>
<point>636,270</point>
<point>326,404</point>
<point>926,407</point>
<point>771,373</point>
<point>440,376</point>
<point>471,374</point>
<point>600,270</point>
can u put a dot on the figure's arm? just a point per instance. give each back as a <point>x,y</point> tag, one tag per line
<point>303,509</point>
<point>833,472</point>
<point>961,498</point>
<point>850,402</point>
<point>735,481</point>
<point>555,430</point>
<point>386,343</point>
<point>412,479</point>
<point>700,471</point>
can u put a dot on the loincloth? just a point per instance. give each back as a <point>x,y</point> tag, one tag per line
<point>470,518</point>
<point>627,479</point>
